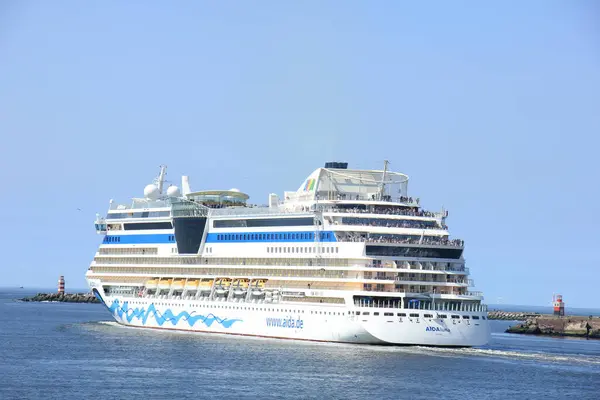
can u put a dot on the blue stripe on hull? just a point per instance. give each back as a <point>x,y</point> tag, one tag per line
<point>139,239</point>
<point>238,237</point>
<point>269,237</point>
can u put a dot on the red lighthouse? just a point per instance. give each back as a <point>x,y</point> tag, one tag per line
<point>559,306</point>
<point>61,284</point>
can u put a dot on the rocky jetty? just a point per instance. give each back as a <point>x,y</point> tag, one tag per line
<point>512,316</point>
<point>64,297</point>
<point>549,325</point>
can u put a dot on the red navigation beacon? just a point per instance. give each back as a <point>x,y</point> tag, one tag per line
<point>559,306</point>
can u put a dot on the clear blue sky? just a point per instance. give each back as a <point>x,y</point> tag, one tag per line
<point>492,109</point>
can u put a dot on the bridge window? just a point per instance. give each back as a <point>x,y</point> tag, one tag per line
<point>402,251</point>
<point>147,225</point>
<point>263,222</point>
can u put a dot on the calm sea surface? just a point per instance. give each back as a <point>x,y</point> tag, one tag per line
<point>64,351</point>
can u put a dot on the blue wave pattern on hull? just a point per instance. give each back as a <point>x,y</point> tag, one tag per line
<point>168,316</point>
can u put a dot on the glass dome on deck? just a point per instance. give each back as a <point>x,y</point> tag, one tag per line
<point>219,198</point>
<point>347,184</point>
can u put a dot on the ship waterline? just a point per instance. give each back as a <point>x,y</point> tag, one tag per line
<point>340,260</point>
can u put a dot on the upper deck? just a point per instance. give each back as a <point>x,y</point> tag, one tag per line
<point>359,205</point>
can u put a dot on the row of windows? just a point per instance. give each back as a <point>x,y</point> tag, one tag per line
<point>415,315</point>
<point>245,308</point>
<point>327,249</point>
<point>199,262</point>
<point>227,307</point>
<point>128,250</point>
<point>117,239</point>
<point>399,251</point>
<point>268,309</point>
<point>262,222</point>
<point>147,225</point>
<point>391,223</point>
<point>229,237</point>
<point>142,214</point>
<point>236,272</point>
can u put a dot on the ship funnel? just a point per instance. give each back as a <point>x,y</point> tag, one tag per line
<point>273,200</point>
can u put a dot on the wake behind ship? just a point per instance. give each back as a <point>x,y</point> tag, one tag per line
<point>348,257</point>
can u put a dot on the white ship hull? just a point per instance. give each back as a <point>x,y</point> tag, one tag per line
<point>300,322</point>
<point>348,257</point>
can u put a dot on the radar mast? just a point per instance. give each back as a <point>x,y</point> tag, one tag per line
<point>383,176</point>
<point>160,180</point>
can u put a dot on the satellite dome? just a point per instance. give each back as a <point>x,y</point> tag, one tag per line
<point>151,192</point>
<point>234,190</point>
<point>173,191</point>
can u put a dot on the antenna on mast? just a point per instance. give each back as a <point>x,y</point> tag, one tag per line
<point>383,176</point>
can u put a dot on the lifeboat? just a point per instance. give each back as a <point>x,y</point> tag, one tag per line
<point>205,286</point>
<point>241,287</point>
<point>152,283</point>
<point>261,283</point>
<point>226,282</point>
<point>222,286</point>
<point>165,283</point>
<point>258,289</point>
<point>192,283</point>
<point>178,283</point>
<point>206,283</point>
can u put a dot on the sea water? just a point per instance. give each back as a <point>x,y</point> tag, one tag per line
<point>64,351</point>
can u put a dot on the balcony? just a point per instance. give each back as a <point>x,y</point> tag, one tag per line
<point>380,210</point>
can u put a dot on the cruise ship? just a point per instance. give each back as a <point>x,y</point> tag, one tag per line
<point>348,257</point>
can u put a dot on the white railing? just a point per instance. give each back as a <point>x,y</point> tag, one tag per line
<point>372,210</point>
<point>254,211</point>
<point>140,204</point>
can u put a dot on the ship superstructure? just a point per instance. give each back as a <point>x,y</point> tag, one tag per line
<point>348,257</point>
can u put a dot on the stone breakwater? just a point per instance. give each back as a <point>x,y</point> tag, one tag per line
<point>512,316</point>
<point>64,298</point>
<point>584,327</point>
